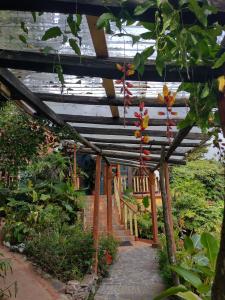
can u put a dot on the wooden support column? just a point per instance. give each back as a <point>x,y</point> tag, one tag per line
<point>109,200</point>
<point>96,211</point>
<point>153,208</point>
<point>75,166</point>
<point>118,175</point>
<point>105,180</point>
<point>169,203</point>
<point>170,241</point>
<point>130,178</point>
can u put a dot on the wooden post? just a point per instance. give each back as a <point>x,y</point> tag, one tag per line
<point>105,180</point>
<point>153,208</point>
<point>75,166</point>
<point>109,199</point>
<point>169,203</point>
<point>129,175</point>
<point>96,211</point>
<point>118,175</point>
<point>167,219</point>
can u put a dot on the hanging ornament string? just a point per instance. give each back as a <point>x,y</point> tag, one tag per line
<point>168,99</point>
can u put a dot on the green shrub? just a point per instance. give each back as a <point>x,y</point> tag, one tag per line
<point>107,244</point>
<point>66,253</point>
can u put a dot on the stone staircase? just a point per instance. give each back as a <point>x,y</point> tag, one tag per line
<point>119,232</point>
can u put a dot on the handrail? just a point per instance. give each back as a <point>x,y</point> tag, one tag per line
<point>127,213</point>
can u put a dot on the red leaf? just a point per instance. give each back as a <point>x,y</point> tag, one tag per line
<point>161,113</point>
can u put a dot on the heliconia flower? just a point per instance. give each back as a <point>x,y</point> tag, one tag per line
<point>137,134</point>
<point>141,105</point>
<point>137,115</point>
<point>165,90</point>
<point>146,152</point>
<point>119,67</point>
<point>161,113</point>
<point>128,92</point>
<point>221,82</point>
<point>130,72</point>
<point>119,81</point>
<point>171,100</point>
<point>174,113</point>
<point>145,139</point>
<point>131,66</point>
<point>169,109</point>
<point>137,124</point>
<point>161,98</point>
<point>129,85</point>
<point>144,123</point>
<point>146,158</point>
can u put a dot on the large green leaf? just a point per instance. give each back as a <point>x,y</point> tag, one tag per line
<point>141,8</point>
<point>188,244</point>
<point>196,238</point>
<point>188,295</point>
<point>104,19</point>
<point>220,61</point>
<point>211,246</point>
<point>171,291</point>
<point>74,46</point>
<point>51,33</point>
<point>189,276</point>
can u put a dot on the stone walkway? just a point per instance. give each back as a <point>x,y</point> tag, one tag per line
<point>134,276</point>
<point>31,286</point>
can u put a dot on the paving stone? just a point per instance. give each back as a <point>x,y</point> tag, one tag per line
<point>134,275</point>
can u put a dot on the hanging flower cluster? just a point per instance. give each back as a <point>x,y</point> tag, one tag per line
<point>126,70</point>
<point>142,124</point>
<point>168,98</point>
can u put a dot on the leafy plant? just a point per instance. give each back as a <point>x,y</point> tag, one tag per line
<point>5,268</point>
<point>196,268</point>
<point>107,247</point>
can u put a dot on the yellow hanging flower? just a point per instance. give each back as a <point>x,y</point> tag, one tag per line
<point>137,134</point>
<point>145,122</point>
<point>130,72</point>
<point>146,139</point>
<point>221,81</point>
<point>165,90</point>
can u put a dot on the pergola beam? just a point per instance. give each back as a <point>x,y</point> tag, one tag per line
<point>132,156</point>
<point>130,132</point>
<point>103,68</point>
<point>98,7</point>
<point>112,121</point>
<point>87,100</point>
<point>96,141</point>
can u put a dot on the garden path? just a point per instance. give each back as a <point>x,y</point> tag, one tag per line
<point>31,286</point>
<point>134,275</point>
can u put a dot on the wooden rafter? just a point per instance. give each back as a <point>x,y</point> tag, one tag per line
<point>111,121</point>
<point>100,46</point>
<point>130,132</point>
<point>103,68</point>
<point>87,100</point>
<point>98,7</point>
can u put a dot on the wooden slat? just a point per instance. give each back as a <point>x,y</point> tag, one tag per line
<point>135,150</point>
<point>136,142</point>
<point>132,156</point>
<point>130,132</point>
<point>75,99</point>
<point>98,7</point>
<point>103,68</point>
<point>100,46</point>
<point>111,121</point>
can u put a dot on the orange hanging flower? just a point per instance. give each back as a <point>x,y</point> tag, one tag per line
<point>146,139</point>
<point>165,90</point>
<point>137,134</point>
<point>144,122</point>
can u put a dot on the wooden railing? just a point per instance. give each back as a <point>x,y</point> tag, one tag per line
<point>127,212</point>
<point>140,184</point>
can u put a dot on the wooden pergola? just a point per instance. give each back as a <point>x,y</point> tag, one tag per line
<point>103,136</point>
